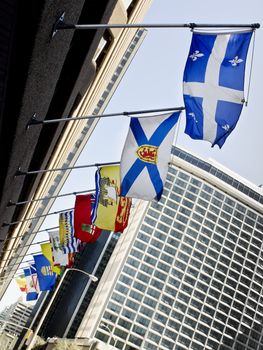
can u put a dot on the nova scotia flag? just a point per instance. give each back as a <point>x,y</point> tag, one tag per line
<point>146,155</point>
<point>214,84</point>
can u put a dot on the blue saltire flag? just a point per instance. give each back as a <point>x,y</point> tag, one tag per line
<point>214,84</point>
<point>46,277</point>
<point>32,293</point>
<point>146,155</point>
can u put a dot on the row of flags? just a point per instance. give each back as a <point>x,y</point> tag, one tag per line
<point>76,227</point>
<point>213,95</point>
<point>213,86</point>
<point>39,276</point>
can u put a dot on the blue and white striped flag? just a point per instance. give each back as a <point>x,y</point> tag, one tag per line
<point>214,84</point>
<point>68,242</point>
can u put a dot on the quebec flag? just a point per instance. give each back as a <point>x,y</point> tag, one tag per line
<point>146,155</point>
<point>214,84</point>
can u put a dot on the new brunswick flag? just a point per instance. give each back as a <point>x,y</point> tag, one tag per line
<point>83,228</point>
<point>47,252</point>
<point>111,212</point>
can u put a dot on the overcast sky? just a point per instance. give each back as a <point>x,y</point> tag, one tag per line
<point>154,80</point>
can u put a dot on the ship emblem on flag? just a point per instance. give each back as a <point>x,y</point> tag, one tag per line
<point>214,84</point>
<point>146,155</point>
<point>111,211</point>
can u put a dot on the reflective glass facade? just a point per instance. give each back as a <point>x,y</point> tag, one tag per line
<point>193,276</point>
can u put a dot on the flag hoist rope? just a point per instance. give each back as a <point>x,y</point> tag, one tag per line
<point>251,66</point>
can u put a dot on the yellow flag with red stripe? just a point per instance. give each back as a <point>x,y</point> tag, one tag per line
<point>111,212</point>
<point>47,252</point>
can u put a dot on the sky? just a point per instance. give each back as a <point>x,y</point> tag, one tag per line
<point>154,80</point>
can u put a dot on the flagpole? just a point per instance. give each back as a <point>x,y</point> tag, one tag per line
<point>29,254</point>
<point>35,217</point>
<point>23,262</point>
<point>42,171</point>
<point>35,121</point>
<point>10,204</point>
<point>61,25</point>
<point>27,245</point>
<point>31,233</point>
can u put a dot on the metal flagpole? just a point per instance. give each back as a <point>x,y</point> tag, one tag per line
<point>10,204</point>
<point>31,233</point>
<point>42,171</point>
<point>27,245</point>
<point>35,121</point>
<point>34,217</point>
<point>38,252</point>
<point>61,25</point>
<point>22,262</point>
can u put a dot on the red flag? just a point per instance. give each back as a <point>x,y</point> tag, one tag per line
<point>83,228</point>
<point>123,214</point>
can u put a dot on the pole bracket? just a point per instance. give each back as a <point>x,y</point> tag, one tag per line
<point>19,172</point>
<point>33,121</point>
<point>60,24</point>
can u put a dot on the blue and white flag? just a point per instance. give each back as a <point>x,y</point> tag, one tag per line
<point>146,155</point>
<point>214,84</point>
<point>32,291</point>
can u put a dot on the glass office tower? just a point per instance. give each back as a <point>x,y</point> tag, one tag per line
<point>188,271</point>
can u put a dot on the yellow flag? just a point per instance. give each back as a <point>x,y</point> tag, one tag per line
<point>21,281</point>
<point>107,197</point>
<point>47,252</point>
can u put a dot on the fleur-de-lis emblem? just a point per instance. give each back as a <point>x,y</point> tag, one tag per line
<point>195,55</point>
<point>193,116</point>
<point>226,127</point>
<point>235,61</point>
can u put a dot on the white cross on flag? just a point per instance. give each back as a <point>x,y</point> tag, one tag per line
<point>214,84</point>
